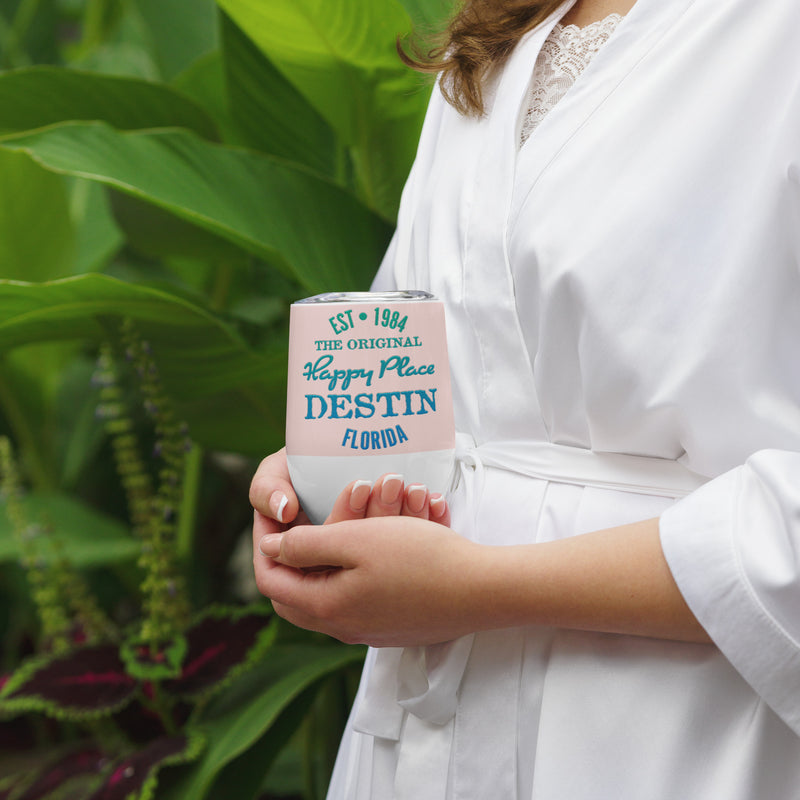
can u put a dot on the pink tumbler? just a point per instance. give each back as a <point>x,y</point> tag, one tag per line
<point>368,393</point>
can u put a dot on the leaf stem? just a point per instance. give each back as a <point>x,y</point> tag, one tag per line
<point>15,53</point>
<point>160,707</point>
<point>222,286</point>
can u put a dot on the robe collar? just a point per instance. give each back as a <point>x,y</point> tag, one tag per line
<point>635,36</point>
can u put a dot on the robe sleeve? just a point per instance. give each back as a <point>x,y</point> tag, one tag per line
<point>734,550</point>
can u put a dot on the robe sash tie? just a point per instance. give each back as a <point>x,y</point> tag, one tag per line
<point>425,680</point>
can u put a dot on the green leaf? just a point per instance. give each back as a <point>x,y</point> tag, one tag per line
<point>37,239</point>
<point>137,775</point>
<point>84,683</point>
<point>238,718</point>
<point>244,776</point>
<point>154,232</point>
<point>41,96</point>
<point>29,34</point>
<point>428,15</point>
<point>115,41</point>
<point>222,643</point>
<point>78,434</point>
<point>285,214</point>
<point>45,399</point>
<point>232,397</point>
<point>204,82</point>
<point>342,57</point>
<point>181,31</point>
<point>87,536</point>
<point>143,666</point>
<point>97,236</point>
<point>270,113</point>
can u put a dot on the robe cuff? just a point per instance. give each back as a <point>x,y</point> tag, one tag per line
<point>699,536</point>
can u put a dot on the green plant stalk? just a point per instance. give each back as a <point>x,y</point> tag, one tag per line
<point>165,602</point>
<point>5,38</point>
<point>223,277</point>
<point>95,17</point>
<point>161,708</point>
<point>26,11</point>
<point>42,579</point>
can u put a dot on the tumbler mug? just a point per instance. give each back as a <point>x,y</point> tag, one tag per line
<point>368,393</point>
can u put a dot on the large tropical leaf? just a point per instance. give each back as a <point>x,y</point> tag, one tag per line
<point>204,82</point>
<point>232,397</point>
<point>40,96</point>
<point>37,238</point>
<point>98,238</point>
<point>428,15</point>
<point>342,57</point>
<point>270,113</point>
<point>181,31</point>
<point>285,214</point>
<point>238,718</point>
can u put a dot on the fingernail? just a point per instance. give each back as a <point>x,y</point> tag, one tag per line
<point>415,498</point>
<point>359,495</point>
<point>390,491</point>
<point>437,505</point>
<point>270,545</point>
<point>277,504</point>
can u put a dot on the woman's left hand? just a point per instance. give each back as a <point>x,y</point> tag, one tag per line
<point>383,581</point>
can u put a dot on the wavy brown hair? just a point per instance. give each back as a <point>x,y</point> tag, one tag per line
<point>479,38</point>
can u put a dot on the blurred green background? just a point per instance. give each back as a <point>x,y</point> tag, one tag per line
<point>185,168</point>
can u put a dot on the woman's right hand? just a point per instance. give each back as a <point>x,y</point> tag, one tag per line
<point>277,508</point>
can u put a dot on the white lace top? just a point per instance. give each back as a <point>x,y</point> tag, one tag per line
<point>563,57</point>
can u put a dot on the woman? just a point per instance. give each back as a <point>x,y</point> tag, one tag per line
<point>618,614</point>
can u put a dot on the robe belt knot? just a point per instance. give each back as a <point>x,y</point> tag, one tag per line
<point>424,681</point>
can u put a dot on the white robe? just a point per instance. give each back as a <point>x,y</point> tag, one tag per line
<point>627,283</point>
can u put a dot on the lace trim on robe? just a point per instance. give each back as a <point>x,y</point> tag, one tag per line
<point>563,57</point>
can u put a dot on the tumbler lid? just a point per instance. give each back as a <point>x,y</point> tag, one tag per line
<point>368,297</point>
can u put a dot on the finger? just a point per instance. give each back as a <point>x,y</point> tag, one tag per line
<point>263,565</point>
<point>386,499</point>
<point>269,545</point>
<point>306,593</point>
<point>278,582</point>
<point>314,547</point>
<point>271,491</point>
<point>351,503</point>
<point>415,501</point>
<point>439,510</point>
<point>262,526</point>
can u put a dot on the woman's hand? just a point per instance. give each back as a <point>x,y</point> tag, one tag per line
<point>389,497</point>
<point>320,577</point>
<point>384,581</point>
<point>399,580</point>
<point>272,496</point>
<point>276,505</point>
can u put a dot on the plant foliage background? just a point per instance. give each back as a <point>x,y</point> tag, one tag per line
<point>174,174</point>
